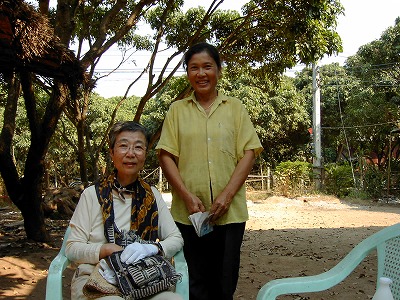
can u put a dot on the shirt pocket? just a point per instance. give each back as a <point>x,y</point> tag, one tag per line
<point>227,140</point>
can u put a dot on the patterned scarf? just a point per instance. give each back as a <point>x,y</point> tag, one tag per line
<point>144,212</point>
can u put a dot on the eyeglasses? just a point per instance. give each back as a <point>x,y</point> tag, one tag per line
<point>124,147</point>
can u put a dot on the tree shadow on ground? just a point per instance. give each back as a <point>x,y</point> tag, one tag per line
<point>266,255</point>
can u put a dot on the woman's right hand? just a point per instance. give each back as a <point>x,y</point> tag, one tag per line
<point>194,204</point>
<point>108,249</point>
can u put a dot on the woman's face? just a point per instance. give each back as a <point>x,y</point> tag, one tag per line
<point>129,155</point>
<point>203,73</point>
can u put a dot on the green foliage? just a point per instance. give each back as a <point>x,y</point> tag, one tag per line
<point>258,41</point>
<point>181,26</point>
<point>336,88</point>
<point>89,23</point>
<point>358,194</point>
<point>268,37</point>
<point>279,114</point>
<point>372,186</point>
<point>157,107</point>
<point>62,156</point>
<point>370,127</point>
<point>22,135</point>
<point>374,182</point>
<point>338,179</point>
<point>377,63</point>
<point>300,32</point>
<point>257,44</point>
<point>376,67</point>
<point>293,178</point>
<point>350,96</point>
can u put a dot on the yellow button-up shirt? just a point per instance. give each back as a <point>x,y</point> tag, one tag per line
<point>208,148</point>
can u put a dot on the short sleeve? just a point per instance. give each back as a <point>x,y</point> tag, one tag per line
<point>169,135</point>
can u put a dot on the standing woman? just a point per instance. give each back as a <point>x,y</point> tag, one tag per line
<point>207,149</point>
<point>121,212</point>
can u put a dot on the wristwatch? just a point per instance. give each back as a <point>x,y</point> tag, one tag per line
<point>160,249</point>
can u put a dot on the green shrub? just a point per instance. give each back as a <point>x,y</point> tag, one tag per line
<point>374,182</point>
<point>358,194</point>
<point>338,179</point>
<point>292,178</point>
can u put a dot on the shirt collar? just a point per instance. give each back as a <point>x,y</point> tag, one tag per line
<point>220,98</point>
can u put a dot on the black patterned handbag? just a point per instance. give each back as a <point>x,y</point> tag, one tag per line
<point>146,277</point>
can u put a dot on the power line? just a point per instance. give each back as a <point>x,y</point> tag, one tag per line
<point>134,70</point>
<point>359,126</point>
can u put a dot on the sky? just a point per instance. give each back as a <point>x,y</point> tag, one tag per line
<point>363,22</point>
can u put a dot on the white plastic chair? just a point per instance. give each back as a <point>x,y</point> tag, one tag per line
<point>387,244</point>
<point>61,262</point>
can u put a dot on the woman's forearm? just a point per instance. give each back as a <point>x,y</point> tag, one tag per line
<point>240,174</point>
<point>171,172</point>
<point>223,201</point>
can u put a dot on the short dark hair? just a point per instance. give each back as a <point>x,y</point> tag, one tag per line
<point>121,126</point>
<point>202,47</point>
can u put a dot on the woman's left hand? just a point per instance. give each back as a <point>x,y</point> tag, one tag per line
<point>220,206</point>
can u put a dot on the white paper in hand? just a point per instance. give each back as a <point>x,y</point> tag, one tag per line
<point>201,222</point>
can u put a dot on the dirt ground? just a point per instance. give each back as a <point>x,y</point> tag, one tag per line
<point>284,238</point>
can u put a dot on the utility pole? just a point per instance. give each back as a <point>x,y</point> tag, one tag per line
<point>316,127</point>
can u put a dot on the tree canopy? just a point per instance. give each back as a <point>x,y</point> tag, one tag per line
<point>258,40</point>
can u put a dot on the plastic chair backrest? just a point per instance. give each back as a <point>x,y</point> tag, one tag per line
<point>389,263</point>
<point>61,262</point>
<point>385,241</point>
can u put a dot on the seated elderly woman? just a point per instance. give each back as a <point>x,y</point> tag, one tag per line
<point>120,220</point>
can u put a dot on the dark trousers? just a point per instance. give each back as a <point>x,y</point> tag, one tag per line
<point>213,261</point>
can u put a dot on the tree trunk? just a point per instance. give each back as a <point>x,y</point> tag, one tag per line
<point>24,193</point>
<point>80,128</point>
<point>31,207</point>
<point>8,169</point>
<point>30,202</point>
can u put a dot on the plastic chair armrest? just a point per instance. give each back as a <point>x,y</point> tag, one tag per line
<point>182,287</point>
<point>55,276</point>
<point>315,283</point>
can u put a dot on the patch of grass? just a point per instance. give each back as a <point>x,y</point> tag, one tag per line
<point>358,197</point>
<point>257,195</point>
